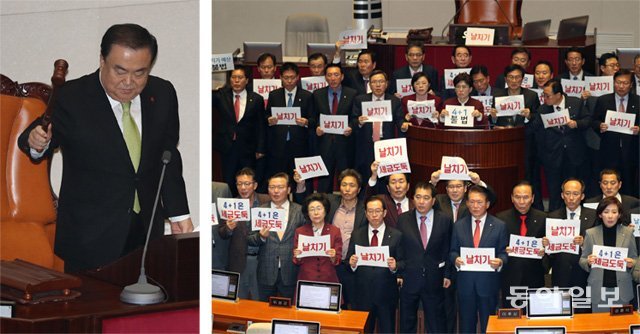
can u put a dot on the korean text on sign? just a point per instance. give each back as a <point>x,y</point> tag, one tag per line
<point>268,217</point>
<point>372,256</point>
<point>477,259</point>
<point>233,209</point>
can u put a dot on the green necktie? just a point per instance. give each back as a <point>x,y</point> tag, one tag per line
<point>132,139</point>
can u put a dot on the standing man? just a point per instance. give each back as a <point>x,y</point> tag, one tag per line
<point>336,150</point>
<point>519,56</point>
<point>610,185</point>
<point>317,63</point>
<point>478,291</point>
<point>426,235</point>
<point>359,80</point>
<point>574,59</point>
<point>376,287</point>
<point>267,66</point>
<point>460,58</point>
<point>452,203</point>
<point>481,83</point>
<point>113,127</point>
<point>277,275</point>
<point>287,142</point>
<point>414,55</point>
<point>397,187</point>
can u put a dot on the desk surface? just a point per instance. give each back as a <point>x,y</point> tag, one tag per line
<point>580,323</point>
<point>244,310</point>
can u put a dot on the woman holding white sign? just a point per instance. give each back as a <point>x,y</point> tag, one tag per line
<point>460,118</point>
<point>317,243</point>
<point>609,256</point>
<point>421,114</point>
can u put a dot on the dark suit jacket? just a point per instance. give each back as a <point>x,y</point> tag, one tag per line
<point>531,101</point>
<point>614,146</point>
<point>376,285</point>
<point>330,142</point>
<point>353,79</point>
<point>443,204</point>
<point>430,265</point>
<point>567,75</point>
<point>98,178</point>
<point>319,268</point>
<point>628,204</point>
<point>250,131</point>
<point>553,141</point>
<point>391,219</point>
<point>566,270</point>
<point>405,73</point>
<point>360,219</point>
<point>277,134</point>
<point>494,235</point>
<point>495,91</point>
<point>521,271</point>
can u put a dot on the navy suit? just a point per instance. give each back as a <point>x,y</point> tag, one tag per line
<point>405,73</point>
<point>424,272</point>
<point>478,291</point>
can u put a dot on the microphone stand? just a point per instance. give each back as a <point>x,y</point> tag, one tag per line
<point>446,41</point>
<point>143,293</point>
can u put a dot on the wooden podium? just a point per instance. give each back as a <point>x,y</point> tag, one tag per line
<point>172,261</point>
<point>497,155</point>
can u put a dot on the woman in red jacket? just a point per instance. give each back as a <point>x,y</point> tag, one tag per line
<point>421,87</point>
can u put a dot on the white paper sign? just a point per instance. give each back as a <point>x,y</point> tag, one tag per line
<point>334,124</point>
<point>214,214</point>
<point>221,62</point>
<point>353,39</point>
<point>314,246</point>
<point>310,167</point>
<point>620,122</point>
<point>286,115</point>
<point>527,81</point>
<point>591,205</point>
<point>459,116</point>
<point>573,87</point>
<point>599,86</point>
<point>561,233</point>
<point>477,259</point>
<point>372,256</point>
<point>539,92</point>
<point>509,105</point>
<point>403,87</point>
<point>264,86</point>
<point>525,247</point>
<point>487,102</point>
<point>392,156</point>
<point>635,221</point>
<point>268,217</point>
<point>554,119</point>
<point>610,258</point>
<point>453,168</point>
<point>423,109</point>
<point>312,83</point>
<point>451,73</point>
<point>233,209</point>
<point>479,36</point>
<point>377,111</point>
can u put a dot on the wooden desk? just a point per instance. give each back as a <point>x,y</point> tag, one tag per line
<point>580,323</point>
<point>249,310</point>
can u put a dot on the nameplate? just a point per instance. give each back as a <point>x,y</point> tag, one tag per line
<point>509,313</point>
<point>279,301</point>
<point>621,310</point>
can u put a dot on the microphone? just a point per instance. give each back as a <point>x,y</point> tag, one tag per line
<point>143,293</point>
<point>445,41</point>
<point>516,39</point>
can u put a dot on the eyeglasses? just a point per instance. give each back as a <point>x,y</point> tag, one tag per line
<point>514,77</point>
<point>245,184</point>
<point>613,65</point>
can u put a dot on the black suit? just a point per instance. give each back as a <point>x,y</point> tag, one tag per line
<point>523,272</point>
<point>336,150</point>
<point>562,150</point>
<point>405,73</point>
<point>443,204</point>
<point>364,140</point>
<point>619,151</point>
<point>377,290</point>
<point>280,151</point>
<point>565,270</point>
<point>99,181</point>
<point>567,75</point>
<point>495,91</point>
<point>424,272</point>
<point>249,133</point>
<point>354,80</point>
<point>628,204</point>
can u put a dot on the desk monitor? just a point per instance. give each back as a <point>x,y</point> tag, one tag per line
<point>634,329</point>
<point>626,55</point>
<point>318,296</point>
<point>457,32</point>
<point>549,303</point>
<point>541,330</point>
<point>286,326</point>
<point>253,50</point>
<point>575,27</point>
<point>536,31</point>
<point>224,285</point>
<point>326,48</point>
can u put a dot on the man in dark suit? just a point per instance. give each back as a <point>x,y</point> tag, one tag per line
<point>394,196</point>
<point>365,134</point>
<point>562,150</point>
<point>359,79</point>
<point>461,57</point>
<point>426,235</point>
<point>240,136</point>
<point>619,151</point>
<point>522,220</point>
<point>574,59</point>
<point>519,56</point>
<point>277,275</point>
<point>566,271</point>
<point>478,291</point>
<point>287,142</point>
<point>113,127</point>
<point>610,185</point>
<point>481,83</point>
<point>376,287</point>
<point>452,203</point>
<point>336,150</point>
<point>414,54</point>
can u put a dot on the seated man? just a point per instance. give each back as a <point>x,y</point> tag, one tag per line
<point>414,54</point>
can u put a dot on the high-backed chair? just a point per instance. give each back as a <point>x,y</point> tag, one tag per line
<point>301,29</point>
<point>488,12</point>
<point>27,203</point>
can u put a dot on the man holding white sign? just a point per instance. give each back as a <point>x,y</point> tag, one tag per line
<point>397,187</point>
<point>359,79</point>
<point>376,287</point>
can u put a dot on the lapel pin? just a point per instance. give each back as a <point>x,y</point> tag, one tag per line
<point>152,99</point>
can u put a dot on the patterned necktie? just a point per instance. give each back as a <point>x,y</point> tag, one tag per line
<point>423,231</point>
<point>289,105</point>
<point>131,136</point>
<point>476,234</point>
<point>374,239</point>
<point>621,107</point>
<point>376,129</point>
<point>523,225</point>
<point>399,208</point>
<point>334,104</point>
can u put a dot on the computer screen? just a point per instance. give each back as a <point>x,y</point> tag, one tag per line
<point>536,31</point>
<point>253,50</point>
<point>574,27</point>
<point>541,330</point>
<point>285,326</point>
<point>318,296</point>
<point>547,303</point>
<point>626,55</point>
<point>224,284</point>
